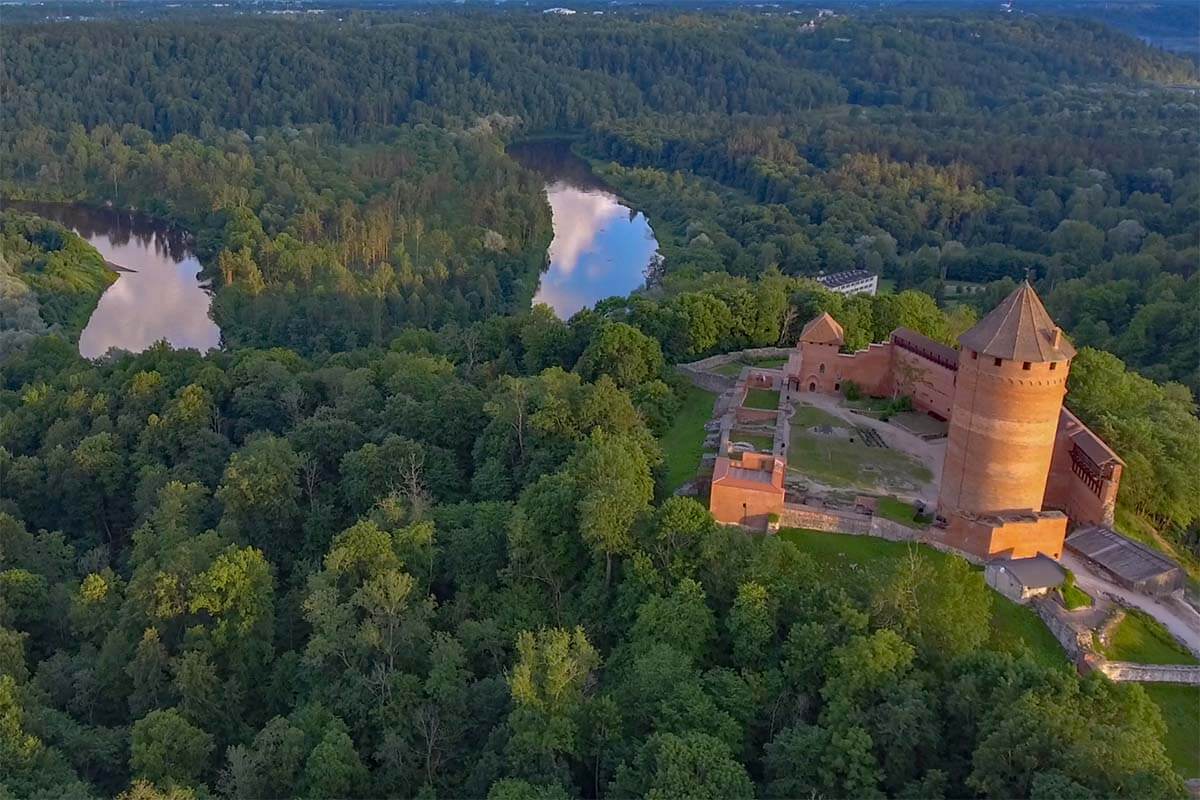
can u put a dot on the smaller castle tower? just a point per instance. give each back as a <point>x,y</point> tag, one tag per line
<point>812,366</point>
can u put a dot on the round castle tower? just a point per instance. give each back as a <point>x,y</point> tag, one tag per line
<point>1012,376</point>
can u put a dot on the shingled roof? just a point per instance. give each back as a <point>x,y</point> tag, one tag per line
<point>823,330</point>
<point>1019,329</point>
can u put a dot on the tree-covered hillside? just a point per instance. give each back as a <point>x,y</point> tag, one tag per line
<point>403,535</point>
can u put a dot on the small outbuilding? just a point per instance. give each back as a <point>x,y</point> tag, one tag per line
<point>1022,579</point>
<point>1130,564</point>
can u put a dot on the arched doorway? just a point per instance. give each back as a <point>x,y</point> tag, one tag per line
<point>812,386</point>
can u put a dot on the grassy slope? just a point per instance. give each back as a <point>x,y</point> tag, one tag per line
<point>1140,639</point>
<point>1014,627</point>
<point>683,442</point>
<point>1180,706</point>
<point>898,511</point>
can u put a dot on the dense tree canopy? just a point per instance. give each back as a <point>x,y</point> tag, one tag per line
<point>403,535</point>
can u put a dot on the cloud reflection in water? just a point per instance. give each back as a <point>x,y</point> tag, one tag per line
<point>160,299</point>
<point>600,248</point>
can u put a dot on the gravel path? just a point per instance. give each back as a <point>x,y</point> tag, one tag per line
<point>1176,616</point>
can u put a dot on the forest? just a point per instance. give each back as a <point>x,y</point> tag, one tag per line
<point>404,535</point>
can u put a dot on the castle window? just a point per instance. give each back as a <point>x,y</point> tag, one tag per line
<point>998,361</point>
<point>974,355</point>
<point>821,369</point>
<point>1053,366</point>
<point>1027,365</point>
<point>837,387</point>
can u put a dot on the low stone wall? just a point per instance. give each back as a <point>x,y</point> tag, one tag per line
<point>796,515</point>
<point>756,416</point>
<point>1124,671</point>
<point>712,362</point>
<point>1075,643</point>
<point>707,381</point>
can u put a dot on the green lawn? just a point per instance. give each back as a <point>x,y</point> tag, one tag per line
<point>1180,706</point>
<point>1074,597</point>
<point>767,399</point>
<point>761,442</point>
<point>1141,639</point>
<point>840,462</point>
<point>875,405</point>
<point>808,416</point>
<point>857,562</point>
<point>898,511</point>
<point>683,443</point>
<point>733,368</point>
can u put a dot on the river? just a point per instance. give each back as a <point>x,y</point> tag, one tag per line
<point>158,293</point>
<point>601,247</point>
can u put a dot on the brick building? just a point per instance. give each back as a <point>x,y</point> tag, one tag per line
<point>1018,467</point>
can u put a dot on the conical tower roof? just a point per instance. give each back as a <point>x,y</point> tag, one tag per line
<point>823,330</point>
<point>1019,329</point>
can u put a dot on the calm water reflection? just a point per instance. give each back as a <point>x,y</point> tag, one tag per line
<point>160,298</point>
<point>601,247</point>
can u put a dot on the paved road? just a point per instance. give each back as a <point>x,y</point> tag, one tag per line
<point>1176,616</point>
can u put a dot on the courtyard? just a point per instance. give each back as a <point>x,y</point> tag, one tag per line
<point>831,448</point>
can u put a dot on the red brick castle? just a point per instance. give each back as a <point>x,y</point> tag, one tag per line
<point>1018,466</point>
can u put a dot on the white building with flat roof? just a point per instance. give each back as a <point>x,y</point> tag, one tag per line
<point>854,281</point>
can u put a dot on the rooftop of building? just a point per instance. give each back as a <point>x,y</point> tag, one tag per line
<point>1120,555</point>
<point>823,330</point>
<point>845,278</point>
<point>1019,329</point>
<point>1092,445</point>
<point>1038,572</point>
<point>728,472</point>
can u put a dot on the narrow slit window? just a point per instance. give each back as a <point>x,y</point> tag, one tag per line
<point>1027,365</point>
<point>999,361</point>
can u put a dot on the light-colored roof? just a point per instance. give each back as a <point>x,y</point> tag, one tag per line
<point>1019,329</point>
<point>1039,572</point>
<point>844,278</point>
<point>823,330</point>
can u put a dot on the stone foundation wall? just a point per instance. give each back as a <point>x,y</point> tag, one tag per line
<point>817,519</point>
<point>750,354</point>
<point>707,380</point>
<point>1075,643</point>
<point>1124,671</point>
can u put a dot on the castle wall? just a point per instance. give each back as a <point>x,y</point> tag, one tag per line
<point>930,385</point>
<point>1085,502</point>
<point>726,504</point>
<point>1018,536</point>
<point>877,370</point>
<point>1002,434</point>
<point>871,369</point>
<point>742,502</point>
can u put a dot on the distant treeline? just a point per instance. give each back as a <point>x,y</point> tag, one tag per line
<point>561,73</point>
